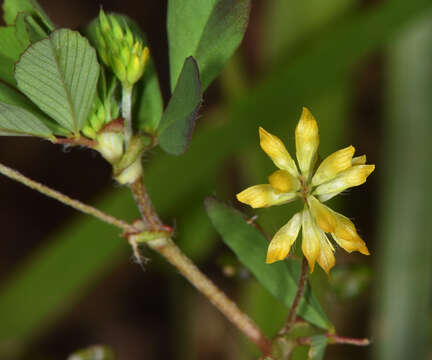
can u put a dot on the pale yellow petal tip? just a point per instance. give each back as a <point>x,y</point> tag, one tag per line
<point>359,160</point>
<point>272,257</point>
<point>364,250</point>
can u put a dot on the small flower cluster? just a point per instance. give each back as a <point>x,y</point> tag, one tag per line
<point>336,173</point>
<point>120,50</point>
<point>100,115</point>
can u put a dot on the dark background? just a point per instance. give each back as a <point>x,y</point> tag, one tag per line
<point>370,91</point>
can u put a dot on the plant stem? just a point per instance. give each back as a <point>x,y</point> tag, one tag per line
<point>126,107</point>
<point>336,339</point>
<point>172,253</point>
<point>301,285</point>
<point>78,205</point>
<point>145,206</point>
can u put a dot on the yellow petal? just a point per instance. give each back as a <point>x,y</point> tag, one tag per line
<point>263,195</point>
<point>345,228</point>
<point>333,165</point>
<point>307,141</point>
<point>323,216</point>
<point>310,240</point>
<point>359,160</point>
<point>282,241</point>
<point>276,150</point>
<point>326,258</point>
<point>350,246</point>
<point>282,181</point>
<point>354,176</point>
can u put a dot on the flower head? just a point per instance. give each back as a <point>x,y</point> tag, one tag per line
<point>336,173</point>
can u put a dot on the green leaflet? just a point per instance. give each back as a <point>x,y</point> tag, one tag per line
<point>250,246</point>
<point>11,96</point>
<point>59,75</point>
<point>210,31</point>
<point>28,30</point>
<point>17,121</point>
<point>318,347</point>
<point>10,50</point>
<point>178,120</point>
<point>11,9</point>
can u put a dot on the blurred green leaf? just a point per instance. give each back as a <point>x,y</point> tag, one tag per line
<point>96,352</point>
<point>15,121</point>
<point>210,31</point>
<point>405,248</point>
<point>318,347</point>
<point>250,246</point>
<point>148,103</point>
<point>28,30</point>
<point>10,50</point>
<point>11,9</point>
<point>178,120</point>
<point>286,25</point>
<point>60,75</point>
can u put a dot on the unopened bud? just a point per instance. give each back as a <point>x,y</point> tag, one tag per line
<point>110,145</point>
<point>89,132</point>
<point>137,65</point>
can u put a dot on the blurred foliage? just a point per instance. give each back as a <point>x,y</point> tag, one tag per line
<point>403,286</point>
<point>336,38</point>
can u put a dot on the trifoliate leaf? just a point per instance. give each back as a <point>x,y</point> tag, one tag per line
<point>59,75</point>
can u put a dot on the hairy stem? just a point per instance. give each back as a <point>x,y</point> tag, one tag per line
<point>78,205</point>
<point>336,339</point>
<point>301,285</point>
<point>172,253</point>
<point>126,107</point>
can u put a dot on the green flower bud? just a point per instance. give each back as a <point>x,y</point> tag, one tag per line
<point>117,30</point>
<point>125,55</point>
<point>89,132</point>
<point>129,38</point>
<point>137,64</point>
<point>115,110</point>
<point>104,23</point>
<point>119,69</point>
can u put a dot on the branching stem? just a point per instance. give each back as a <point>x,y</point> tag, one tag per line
<point>173,254</point>
<point>78,205</point>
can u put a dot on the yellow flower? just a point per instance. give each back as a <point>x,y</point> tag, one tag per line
<point>336,173</point>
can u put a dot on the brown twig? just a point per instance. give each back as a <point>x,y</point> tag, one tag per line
<point>293,310</point>
<point>82,141</point>
<point>173,254</point>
